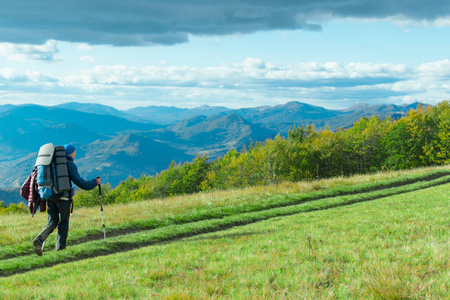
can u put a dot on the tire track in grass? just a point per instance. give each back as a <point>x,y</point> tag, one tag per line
<point>174,232</point>
<point>221,212</point>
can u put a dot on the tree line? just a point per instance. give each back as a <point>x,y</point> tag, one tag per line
<point>420,138</point>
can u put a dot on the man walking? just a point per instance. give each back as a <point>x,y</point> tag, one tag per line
<point>59,211</point>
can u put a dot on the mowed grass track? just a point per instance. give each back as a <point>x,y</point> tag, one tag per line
<point>394,246</point>
<point>17,231</point>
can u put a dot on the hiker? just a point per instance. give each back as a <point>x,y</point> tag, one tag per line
<point>59,211</point>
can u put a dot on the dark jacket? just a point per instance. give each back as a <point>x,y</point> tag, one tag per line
<point>29,191</point>
<point>76,178</point>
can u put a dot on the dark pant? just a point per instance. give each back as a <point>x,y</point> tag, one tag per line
<point>58,216</point>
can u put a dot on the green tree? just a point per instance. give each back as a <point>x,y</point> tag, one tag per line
<point>438,152</point>
<point>363,148</point>
<point>181,179</point>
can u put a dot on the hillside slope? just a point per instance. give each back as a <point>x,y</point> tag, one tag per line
<point>208,130</point>
<point>214,135</point>
<point>127,155</point>
<point>384,246</point>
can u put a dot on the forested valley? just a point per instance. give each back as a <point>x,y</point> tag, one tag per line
<point>421,138</point>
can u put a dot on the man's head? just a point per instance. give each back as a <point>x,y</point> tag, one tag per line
<point>70,150</point>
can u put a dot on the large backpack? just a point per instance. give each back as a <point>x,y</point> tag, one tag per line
<point>52,172</point>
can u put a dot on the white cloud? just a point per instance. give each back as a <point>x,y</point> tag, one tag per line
<point>248,83</point>
<point>403,21</point>
<point>84,47</point>
<point>12,76</point>
<point>434,69</point>
<point>427,78</point>
<point>251,71</point>
<point>9,74</point>
<point>30,53</point>
<point>87,59</point>
<point>253,63</point>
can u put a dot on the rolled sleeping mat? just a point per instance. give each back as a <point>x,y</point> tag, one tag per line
<point>45,155</point>
<point>61,170</point>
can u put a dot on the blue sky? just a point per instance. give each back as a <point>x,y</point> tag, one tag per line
<point>227,53</point>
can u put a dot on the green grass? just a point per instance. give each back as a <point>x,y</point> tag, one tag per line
<point>173,211</point>
<point>207,223</point>
<point>383,242</point>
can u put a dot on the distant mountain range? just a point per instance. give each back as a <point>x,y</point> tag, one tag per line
<point>116,144</point>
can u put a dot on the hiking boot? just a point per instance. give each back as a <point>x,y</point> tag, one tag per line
<point>38,247</point>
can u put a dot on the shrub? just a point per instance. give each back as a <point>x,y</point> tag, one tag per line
<point>90,198</point>
<point>181,179</point>
<point>13,208</point>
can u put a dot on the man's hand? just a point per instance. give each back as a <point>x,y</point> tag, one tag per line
<point>99,181</point>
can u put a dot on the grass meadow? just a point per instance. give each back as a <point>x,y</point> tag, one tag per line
<point>391,242</point>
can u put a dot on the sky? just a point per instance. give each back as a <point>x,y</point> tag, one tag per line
<point>236,54</point>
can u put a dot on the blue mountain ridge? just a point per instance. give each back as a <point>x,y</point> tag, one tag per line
<point>114,147</point>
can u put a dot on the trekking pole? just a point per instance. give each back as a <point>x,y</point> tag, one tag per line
<point>101,209</point>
